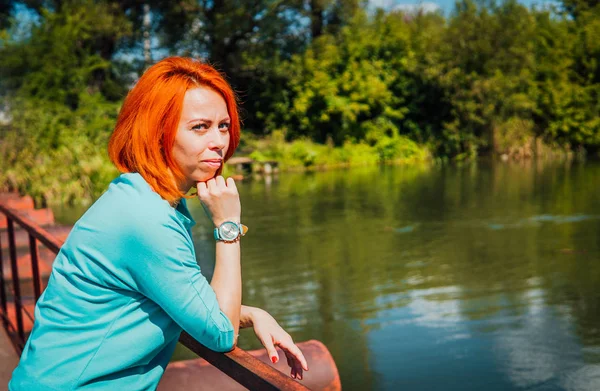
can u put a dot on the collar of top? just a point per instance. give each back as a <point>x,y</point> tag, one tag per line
<point>181,210</point>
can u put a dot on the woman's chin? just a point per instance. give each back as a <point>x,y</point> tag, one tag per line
<point>204,177</point>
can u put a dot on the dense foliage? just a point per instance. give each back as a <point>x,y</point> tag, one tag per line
<point>342,82</point>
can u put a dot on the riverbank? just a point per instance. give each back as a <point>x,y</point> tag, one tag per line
<point>78,174</point>
<point>306,155</point>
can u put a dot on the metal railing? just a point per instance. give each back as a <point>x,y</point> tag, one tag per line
<point>237,364</point>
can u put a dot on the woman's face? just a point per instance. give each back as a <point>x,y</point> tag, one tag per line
<point>202,136</point>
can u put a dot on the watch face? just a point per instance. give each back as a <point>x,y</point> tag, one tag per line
<point>229,231</point>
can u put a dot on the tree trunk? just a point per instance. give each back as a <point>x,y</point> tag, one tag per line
<point>316,18</point>
<point>146,27</point>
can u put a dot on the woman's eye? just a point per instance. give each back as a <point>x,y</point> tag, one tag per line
<point>224,126</point>
<point>200,127</point>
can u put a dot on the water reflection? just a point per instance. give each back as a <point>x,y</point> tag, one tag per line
<point>434,278</point>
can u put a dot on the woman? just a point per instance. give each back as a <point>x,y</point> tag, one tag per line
<point>126,281</point>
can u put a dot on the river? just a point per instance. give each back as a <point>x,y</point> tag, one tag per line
<point>482,277</point>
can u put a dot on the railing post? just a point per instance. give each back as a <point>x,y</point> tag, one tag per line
<point>35,269</point>
<point>3,306</point>
<point>15,279</point>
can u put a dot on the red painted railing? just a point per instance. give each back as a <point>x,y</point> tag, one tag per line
<point>237,364</point>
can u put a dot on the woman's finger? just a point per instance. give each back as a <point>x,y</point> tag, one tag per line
<point>296,366</point>
<point>211,184</point>
<point>220,182</point>
<point>296,352</point>
<point>271,351</point>
<point>291,364</point>
<point>231,184</point>
<point>296,371</point>
<point>202,190</point>
<point>294,356</point>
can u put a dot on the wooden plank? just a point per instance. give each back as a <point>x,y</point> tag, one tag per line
<point>8,358</point>
<point>34,228</point>
<point>190,375</point>
<point>41,217</point>
<point>9,196</point>
<point>28,306</point>
<point>45,258</point>
<point>22,203</point>
<point>22,237</point>
<point>243,368</point>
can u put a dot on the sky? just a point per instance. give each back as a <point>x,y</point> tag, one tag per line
<point>446,6</point>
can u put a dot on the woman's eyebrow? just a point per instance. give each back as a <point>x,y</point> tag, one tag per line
<point>199,120</point>
<point>207,120</point>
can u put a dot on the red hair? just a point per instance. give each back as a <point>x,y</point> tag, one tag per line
<point>144,135</point>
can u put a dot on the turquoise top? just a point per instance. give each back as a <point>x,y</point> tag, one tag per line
<point>122,288</point>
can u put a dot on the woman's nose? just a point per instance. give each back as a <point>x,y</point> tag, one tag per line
<point>218,139</point>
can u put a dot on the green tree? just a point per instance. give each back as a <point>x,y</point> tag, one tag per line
<point>64,54</point>
<point>58,107</point>
<point>342,82</point>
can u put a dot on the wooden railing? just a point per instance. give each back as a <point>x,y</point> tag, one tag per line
<point>237,364</point>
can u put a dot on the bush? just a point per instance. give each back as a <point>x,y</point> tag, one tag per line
<point>58,155</point>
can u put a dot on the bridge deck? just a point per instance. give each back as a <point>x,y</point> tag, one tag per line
<point>8,359</point>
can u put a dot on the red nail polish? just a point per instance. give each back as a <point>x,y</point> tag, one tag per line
<point>274,359</point>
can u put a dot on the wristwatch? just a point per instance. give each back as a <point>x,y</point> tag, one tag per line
<point>230,232</point>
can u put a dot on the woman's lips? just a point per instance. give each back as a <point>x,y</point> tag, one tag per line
<point>212,163</point>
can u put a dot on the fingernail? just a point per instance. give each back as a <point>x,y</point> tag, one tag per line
<point>274,359</point>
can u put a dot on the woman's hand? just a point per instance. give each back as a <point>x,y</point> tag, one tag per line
<point>220,199</point>
<point>271,335</point>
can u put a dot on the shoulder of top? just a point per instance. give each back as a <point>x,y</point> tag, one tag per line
<point>130,196</point>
